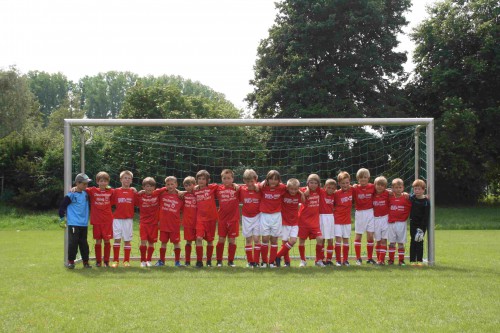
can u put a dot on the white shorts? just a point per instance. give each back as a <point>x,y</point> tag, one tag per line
<point>123,229</point>
<point>342,230</point>
<point>363,221</point>
<point>289,231</point>
<point>381,227</point>
<point>397,232</point>
<point>251,225</point>
<point>326,224</point>
<point>270,224</point>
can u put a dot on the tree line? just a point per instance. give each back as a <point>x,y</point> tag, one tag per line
<point>321,59</point>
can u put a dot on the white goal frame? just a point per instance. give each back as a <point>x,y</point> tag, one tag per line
<point>428,123</point>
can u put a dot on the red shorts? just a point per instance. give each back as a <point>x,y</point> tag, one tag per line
<point>231,229</point>
<point>172,237</point>
<point>103,231</point>
<point>148,232</point>
<point>206,230</point>
<point>309,232</point>
<point>189,233</point>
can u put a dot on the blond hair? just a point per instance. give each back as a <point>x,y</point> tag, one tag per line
<point>227,172</point>
<point>315,177</point>
<point>250,174</point>
<point>397,181</point>
<point>203,173</point>
<point>126,173</point>
<point>380,180</point>
<point>189,180</point>
<point>343,175</point>
<point>171,178</point>
<point>419,183</point>
<point>330,181</point>
<point>363,172</point>
<point>102,175</point>
<point>149,181</point>
<point>273,174</point>
<point>293,182</point>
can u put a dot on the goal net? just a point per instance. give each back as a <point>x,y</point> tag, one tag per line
<point>394,148</point>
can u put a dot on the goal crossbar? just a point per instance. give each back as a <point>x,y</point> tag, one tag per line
<point>428,123</point>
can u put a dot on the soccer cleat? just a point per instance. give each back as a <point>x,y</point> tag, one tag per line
<point>115,264</point>
<point>187,263</point>
<point>278,262</point>
<point>126,264</point>
<point>303,263</point>
<point>359,261</point>
<point>106,264</point>
<point>209,263</point>
<point>371,261</point>
<point>199,264</point>
<point>338,264</point>
<point>70,266</point>
<point>390,262</point>
<point>320,263</point>
<point>263,265</point>
<point>287,264</point>
<point>143,264</point>
<point>149,264</point>
<point>272,265</point>
<point>219,263</point>
<point>160,263</point>
<point>87,265</point>
<point>346,263</point>
<point>402,263</point>
<point>98,264</point>
<point>177,264</point>
<point>231,264</point>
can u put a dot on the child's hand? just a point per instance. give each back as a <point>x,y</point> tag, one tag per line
<point>197,187</point>
<point>236,187</point>
<point>302,197</point>
<point>73,189</point>
<point>134,189</point>
<point>141,192</point>
<point>181,194</point>
<point>62,223</point>
<point>307,192</point>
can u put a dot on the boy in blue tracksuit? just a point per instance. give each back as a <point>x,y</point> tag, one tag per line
<point>76,208</point>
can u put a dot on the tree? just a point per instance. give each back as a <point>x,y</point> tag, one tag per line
<point>457,80</point>
<point>330,58</point>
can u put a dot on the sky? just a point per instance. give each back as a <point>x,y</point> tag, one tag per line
<point>211,41</point>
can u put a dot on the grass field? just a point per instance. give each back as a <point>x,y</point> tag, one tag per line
<point>460,293</point>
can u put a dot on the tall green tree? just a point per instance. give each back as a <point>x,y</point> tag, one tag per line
<point>457,81</point>
<point>330,58</point>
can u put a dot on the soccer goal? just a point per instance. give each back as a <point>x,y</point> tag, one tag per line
<point>393,147</point>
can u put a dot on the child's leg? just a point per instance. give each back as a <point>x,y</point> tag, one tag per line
<point>357,246</point>
<point>302,249</point>
<point>345,249</point>
<point>420,247</point>
<point>329,250</point>
<point>187,251</point>
<point>319,248</point>
<point>210,251</point>
<point>163,251</point>
<point>257,249</point>
<point>377,249</point>
<point>199,249</point>
<point>401,252</point>
<point>107,251</point>
<point>231,249</point>
<point>151,249</point>
<point>143,249</point>
<point>83,245</point>
<point>249,249</point>
<point>73,244</point>
<point>392,251</point>
<point>127,247</point>
<point>264,248</point>
<point>219,250</point>
<point>383,249</point>
<point>274,249</point>
<point>177,252</point>
<point>369,245</point>
<point>116,249</point>
<point>98,251</point>
<point>338,249</point>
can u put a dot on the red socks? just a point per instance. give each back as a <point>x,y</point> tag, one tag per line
<point>116,251</point>
<point>177,254</point>
<point>126,250</point>
<point>210,252</point>
<point>219,251</point>
<point>143,250</point>
<point>187,251</point>
<point>274,251</point>
<point>401,254</point>
<point>329,253</point>
<point>345,251</point>
<point>151,249</point>
<point>357,249</point>
<point>369,250</point>
<point>256,253</point>
<point>392,252</point>
<point>264,249</point>
<point>285,251</point>
<point>319,252</point>
<point>302,252</point>
<point>249,253</point>
<point>107,251</point>
<point>199,253</point>
<point>231,252</point>
<point>98,253</point>
<point>338,252</point>
<point>163,250</point>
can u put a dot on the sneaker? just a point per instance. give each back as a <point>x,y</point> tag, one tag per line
<point>272,265</point>
<point>199,264</point>
<point>371,261</point>
<point>209,263</point>
<point>98,264</point>
<point>160,263</point>
<point>338,264</point>
<point>115,264</point>
<point>177,264</point>
<point>263,265</point>
<point>346,263</point>
<point>231,264</point>
<point>106,264</point>
<point>278,262</point>
<point>126,264</point>
<point>70,266</point>
<point>320,263</point>
<point>187,263</point>
<point>287,264</point>
<point>219,263</point>
<point>390,262</point>
<point>87,265</point>
<point>143,264</point>
<point>303,263</point>
<point>358,262</point>
<point>402,263</point>
<point>149,264</point>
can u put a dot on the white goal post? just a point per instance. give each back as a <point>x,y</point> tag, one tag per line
<point>420,123</point>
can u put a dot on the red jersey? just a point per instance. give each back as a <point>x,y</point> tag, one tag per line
<point>309,210</point>
<point>271,198</point>
<point>229,204</point>
<point>343,206</point>
<point>170,212</point>
<point>123,200</point>
<point>100,205</point>
<point>400,208</point>
<point>363,196</point>
<point>250,200</point>
<point>205,200</point>
<point>290,209</point>
<point>189,210</point>
<point>326,202</point>
<point>381,203</point>
<point>149,205</point>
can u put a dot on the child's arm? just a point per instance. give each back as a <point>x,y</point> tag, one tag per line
<point>64,205</point>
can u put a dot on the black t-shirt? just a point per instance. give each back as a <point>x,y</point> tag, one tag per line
<point>420,210</point>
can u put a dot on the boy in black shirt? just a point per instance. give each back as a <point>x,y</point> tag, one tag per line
<point>419,220</point>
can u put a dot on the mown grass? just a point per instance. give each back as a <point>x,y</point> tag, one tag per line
<point>460,293</point>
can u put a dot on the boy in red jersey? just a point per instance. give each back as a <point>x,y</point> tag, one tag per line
<point>189,216</point>
<point>229,217</point>
<point>381,217</point>
<point>400,207</point>
<point>101,217</point>
<point>206,216</point>
<point>363,218</point>
<point>342,213</point>
<point>290,219</point>
<point>170,220</point>
<point>123,218</point>
<point>250,197</point>
<point>309,221</point>
<point>326,219</point>
<point>148,203</point>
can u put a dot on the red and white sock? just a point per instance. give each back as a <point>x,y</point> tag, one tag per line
<point>116,251</point>
<point>264,249</point>
<point>383,251</point>
<point>219,251</point>
<point>345,251</point>
<point>357,249</point>
<point>231,252</point>
<point>284,251</point>
<point>210,252</point>
<point>177,253</point>
<point>187,251</point>
<point>369,250</point>
<point>151,249</point>
<point>377,251</point>
<point>126,252</point>
<point>338,252</point>
<point>199,252</point>
<point>274,251</point>
<point>98,253</point>
<point>392,252</point>
<point>249,253</point>
<point>302,252</point>
<point>401,254</point>
<point>329,253</point>
<point>143,249</point>
<point>163,251</point>
<point>256,252</point>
